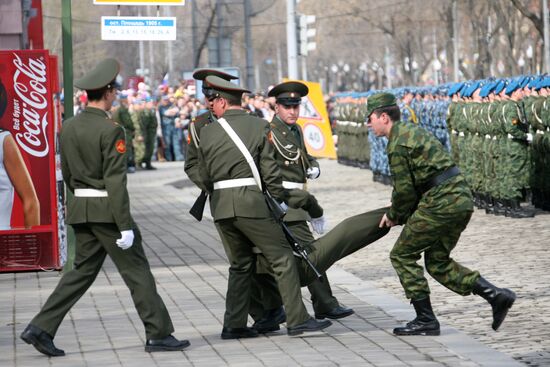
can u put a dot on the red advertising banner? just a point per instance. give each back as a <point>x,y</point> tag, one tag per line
<point>34,29</point>
<point>28,189</point>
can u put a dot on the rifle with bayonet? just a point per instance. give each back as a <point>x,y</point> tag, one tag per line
<point>279,213</point>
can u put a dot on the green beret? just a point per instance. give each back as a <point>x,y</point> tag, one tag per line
<point>289,93</point>
<point>100,76</point>
<point>201,74</point>
<point>225,88</point>
<point>379,100</point>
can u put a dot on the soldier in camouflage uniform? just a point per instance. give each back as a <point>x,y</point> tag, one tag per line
<point>453,112</point>
<point>139,141</point>
<point>123,117</point>
<point>431,198</point>
<point>149,126</point>
<point>516,179</point>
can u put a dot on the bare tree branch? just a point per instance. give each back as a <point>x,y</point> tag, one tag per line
<point>537,20</point>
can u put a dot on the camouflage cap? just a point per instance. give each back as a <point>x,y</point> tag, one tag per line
<point>380,100</point>
<point>289,93</point>
<point>101,76</point>
<point>224,88</point>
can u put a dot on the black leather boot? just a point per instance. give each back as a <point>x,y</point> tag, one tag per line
<point>499,207</point>
<point>507,208</point>
<point>483,201</point>
<point>425,322</point>
<point>500,299</point>
<point>475,195</point>
<point>537,198</point>
<point>490,207</point>
<point>516,211</point>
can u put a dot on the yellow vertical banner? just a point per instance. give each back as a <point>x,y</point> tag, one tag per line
<point>315,123</point>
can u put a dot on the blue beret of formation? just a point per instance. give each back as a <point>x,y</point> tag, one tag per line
<point>487,88</point>
<point>500,86</point>
<point>455,88</point>
<point>525,81</point>
<point>512,86</point>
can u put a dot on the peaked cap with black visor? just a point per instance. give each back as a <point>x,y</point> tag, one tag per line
<point>289,93</point>
<point>201,74</point>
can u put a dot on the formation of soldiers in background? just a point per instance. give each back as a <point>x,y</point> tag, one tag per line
<point>498,131</point>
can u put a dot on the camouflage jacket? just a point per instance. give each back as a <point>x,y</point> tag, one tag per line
<point>416,157</point>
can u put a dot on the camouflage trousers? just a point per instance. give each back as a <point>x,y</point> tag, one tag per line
<point>517,171</point>
<point>130,155</point>
<point>488,167</point>
<point>477,161</point>
<point>436,236</point>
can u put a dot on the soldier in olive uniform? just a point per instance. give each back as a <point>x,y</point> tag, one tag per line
<point>93,163</point>
<point>123,117</point>
<point>431,198</point>
<point>241,213</point>
<point>265,300</point>
<point>296,167</point>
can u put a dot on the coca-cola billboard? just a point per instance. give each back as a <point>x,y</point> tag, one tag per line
<point>28,136</point>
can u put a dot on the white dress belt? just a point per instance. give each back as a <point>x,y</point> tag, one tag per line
<point>90,193</point>
<point>237,182</point>
<point>293,185</point>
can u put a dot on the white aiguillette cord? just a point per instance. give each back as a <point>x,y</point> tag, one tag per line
<point>239,143</point>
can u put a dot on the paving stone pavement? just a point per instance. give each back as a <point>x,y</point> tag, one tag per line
<point>190,267</point>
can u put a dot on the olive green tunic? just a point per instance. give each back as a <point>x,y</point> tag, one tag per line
<point>93,157</point>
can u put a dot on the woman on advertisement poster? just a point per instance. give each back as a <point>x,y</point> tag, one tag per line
<point>14,175</point>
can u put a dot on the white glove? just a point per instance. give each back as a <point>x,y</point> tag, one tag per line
<point>529,137</point>
<point>313,172</point>
<point>126,240</point>
<point>284,206</point>
<point>319,224</point>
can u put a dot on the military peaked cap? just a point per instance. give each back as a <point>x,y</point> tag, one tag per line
<point>201,74</point>
<point>101,76</point>
<point>380,100</point>
<point>224,88</point>
<point>289,93</point>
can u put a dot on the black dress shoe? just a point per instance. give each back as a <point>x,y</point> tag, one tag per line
<point>270,320</point>
<point>41,340</point>
<point>338,312</point>
<point>167,344</point>
<point>309,326</point>
<point>239,332</point>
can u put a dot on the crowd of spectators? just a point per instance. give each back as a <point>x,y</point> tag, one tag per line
<point>174,108</point>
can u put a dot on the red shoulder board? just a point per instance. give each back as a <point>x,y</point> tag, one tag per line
<point>120,146</point>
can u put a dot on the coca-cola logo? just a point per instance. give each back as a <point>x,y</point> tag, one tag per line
<point>29,83</point>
